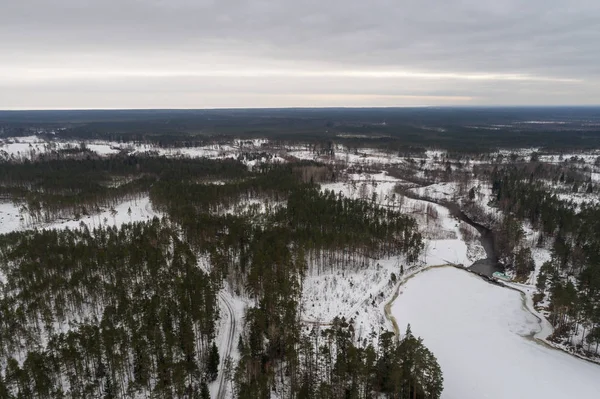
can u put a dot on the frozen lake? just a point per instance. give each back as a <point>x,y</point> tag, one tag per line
<point>480,334</point>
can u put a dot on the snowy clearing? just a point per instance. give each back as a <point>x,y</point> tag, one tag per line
<point>141,210</point>
<point>341,292</point>
<point>479,333</point>
<point>10,218</point>
<point>440,252</point>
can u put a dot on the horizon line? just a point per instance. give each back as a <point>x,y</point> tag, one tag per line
<point>300,108</point>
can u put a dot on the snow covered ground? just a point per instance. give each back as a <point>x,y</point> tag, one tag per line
<point>354,157</point>
<point>253,206</point>
<point>232,310</point>
<point>10,218</point>
<point>441,252</point>
<point>340,293</point>
<point>539,255</point>
<point>579,198</point>
<point>444,241</point>
<point>141,210</point>
<point>367,186</point>
<point>360,294</point>
<point>104,148</point>
<point>480,334</point>
<point>25,147</point>
<point>442,191</point>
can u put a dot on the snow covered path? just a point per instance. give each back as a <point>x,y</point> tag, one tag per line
<point>226,345</point>
<point>481,335</point>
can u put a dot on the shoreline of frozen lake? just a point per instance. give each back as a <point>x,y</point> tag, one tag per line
<point>479,333</point>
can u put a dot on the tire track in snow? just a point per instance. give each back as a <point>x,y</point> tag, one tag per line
<point>228,345</point>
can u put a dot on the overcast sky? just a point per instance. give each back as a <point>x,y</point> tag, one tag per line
<point>280,53</point>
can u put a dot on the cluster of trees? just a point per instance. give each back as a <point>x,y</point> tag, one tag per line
<point>178,196</point>
<point>571,278</point>
<point>105,313</point>
<point>67,187</point>
<point>330,365</point>
<point>346,232</point>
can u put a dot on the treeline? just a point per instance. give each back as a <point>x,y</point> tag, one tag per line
<point>330,365</point>
<point>571,279</point>
<point>105,313</point>
<point>70,188</point>
<point>176,195</point>
<point>393,128</point>
<point>340,232</point>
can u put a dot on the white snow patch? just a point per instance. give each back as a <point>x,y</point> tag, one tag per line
<point>141,210</point>
<point>24,147</point>
<point>441,252</point>
<point>104,148</point>
<point>341,292</point>
<point>539,255</point>
<point>440,191</point>
<point>10,218</point>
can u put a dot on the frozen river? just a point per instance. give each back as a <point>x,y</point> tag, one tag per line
<point>480,334</point>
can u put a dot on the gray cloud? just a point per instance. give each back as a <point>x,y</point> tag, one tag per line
<point>482,52</point>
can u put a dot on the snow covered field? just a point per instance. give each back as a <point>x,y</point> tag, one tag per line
<point>141,210</point>
<point>480,334</point>
<point>24,147</point>
<point>20,148</point>
<point>10,218</point>
<point>444,242</point>
<point>354,157</point>
<point>352,294</point>
<point>441,191</point>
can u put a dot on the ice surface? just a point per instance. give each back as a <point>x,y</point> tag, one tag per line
<point>479,333</point>
<point>441,252</point>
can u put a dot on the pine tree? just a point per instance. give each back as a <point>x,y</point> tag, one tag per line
<point>472,193</point>
<point>212,364</point>
<point>204,392</point>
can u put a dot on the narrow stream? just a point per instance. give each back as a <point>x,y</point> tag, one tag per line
<point>489,265</point>
<point>484,267</point>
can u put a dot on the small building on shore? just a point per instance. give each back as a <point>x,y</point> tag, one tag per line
<point>501,276</point>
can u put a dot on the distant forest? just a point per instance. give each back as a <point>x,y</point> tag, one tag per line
<point>457,129</point>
